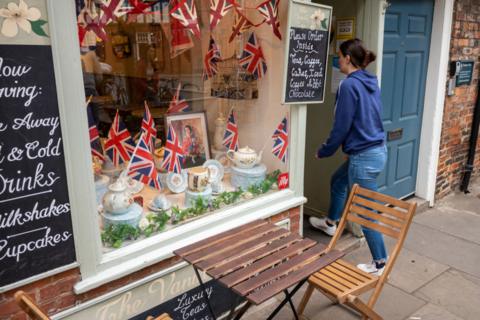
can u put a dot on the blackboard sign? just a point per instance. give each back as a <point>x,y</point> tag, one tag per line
<point>306,53</point>
<point>464,77</point>
<point>35,223</point>
<point>191,305</point>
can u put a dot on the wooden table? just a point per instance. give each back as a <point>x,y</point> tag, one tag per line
<point>257,261</point>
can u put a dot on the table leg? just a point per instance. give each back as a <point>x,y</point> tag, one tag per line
<point>288,299</point>
<point>291,303</point>
<point>205,293</point>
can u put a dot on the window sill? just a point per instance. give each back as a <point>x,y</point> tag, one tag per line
<point>139,255</point>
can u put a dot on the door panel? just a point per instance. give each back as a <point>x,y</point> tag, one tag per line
<point>407,32</point>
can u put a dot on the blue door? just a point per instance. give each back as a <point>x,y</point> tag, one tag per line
<point>408,25</point>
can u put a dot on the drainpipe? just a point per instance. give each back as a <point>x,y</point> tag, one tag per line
<point>473,145</point>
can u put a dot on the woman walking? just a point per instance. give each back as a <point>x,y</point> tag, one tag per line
<point>358,129</point>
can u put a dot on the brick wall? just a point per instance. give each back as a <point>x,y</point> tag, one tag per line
<point>55,293</point>
<point>458,112</point>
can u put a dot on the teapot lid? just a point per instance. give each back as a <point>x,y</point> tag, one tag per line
<point>118,186</point>
<point>246,149</point>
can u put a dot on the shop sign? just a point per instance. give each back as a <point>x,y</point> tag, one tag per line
<point>464,76</point>
<point>177,293</point>
<point>306,52</point>
<point>35,221</point>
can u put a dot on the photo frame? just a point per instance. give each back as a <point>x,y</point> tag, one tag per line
<point>192,131</point>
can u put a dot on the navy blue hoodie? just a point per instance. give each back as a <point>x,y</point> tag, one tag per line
<point>358,116</point>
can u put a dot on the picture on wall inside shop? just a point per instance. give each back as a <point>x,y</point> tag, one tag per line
<point>191,129</point>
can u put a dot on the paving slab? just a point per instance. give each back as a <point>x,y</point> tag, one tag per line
<point>461,224</point>
<point>462,202</point>
<point>444,248</point>
<point>432,312</point>
<point>454,293</point>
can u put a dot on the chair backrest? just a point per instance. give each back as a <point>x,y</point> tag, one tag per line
<point>29,307</point>
<point>393,217</point>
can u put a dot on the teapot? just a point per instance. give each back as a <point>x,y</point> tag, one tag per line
<point>245,157</point>
<point>117,199</point>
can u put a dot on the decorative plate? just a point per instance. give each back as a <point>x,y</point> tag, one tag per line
<point>177,182</point>
<point>216,169</point>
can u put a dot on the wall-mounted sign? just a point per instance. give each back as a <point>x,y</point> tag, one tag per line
<point>464,76</point>
<point>345,30</point>
<point>35,222</point>
<point>306,52</point>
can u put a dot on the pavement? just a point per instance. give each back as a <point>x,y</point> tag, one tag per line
<point>436,276</point>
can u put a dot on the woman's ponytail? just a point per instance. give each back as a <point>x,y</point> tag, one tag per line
<point>360,57</point>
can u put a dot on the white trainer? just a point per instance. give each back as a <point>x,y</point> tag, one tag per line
<point>371,268</point>
<point>321,224</point>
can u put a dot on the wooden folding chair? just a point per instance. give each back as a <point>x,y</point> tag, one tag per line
<point>343,282</point>
<point>164,316</point>
<point>29,307</point>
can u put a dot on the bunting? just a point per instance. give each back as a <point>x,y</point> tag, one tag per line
<point>218,9</point>
<point>269,9</point>
<point>186,13</point>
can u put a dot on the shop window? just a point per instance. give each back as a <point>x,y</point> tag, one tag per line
<point>185,121</point>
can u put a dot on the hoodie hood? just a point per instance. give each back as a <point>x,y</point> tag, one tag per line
<point>366,78</point>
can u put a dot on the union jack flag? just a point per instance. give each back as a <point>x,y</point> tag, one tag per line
<point>218,9</point>
<point>119,145</point>
<point>210,60</point>
<point>230,139</point>
<point>180,39</point>
<point>142,166</point>
<point>173,155</point>
<point>139,6</point>
<point>252,58</point>
<point>186,13</point>
<point>280,144</point>
<point>111,10</point>
<point>240,25</point>
<point>148,128</point>
<point>269,9</point>
<point>178,103</point>
<point>95,144</point>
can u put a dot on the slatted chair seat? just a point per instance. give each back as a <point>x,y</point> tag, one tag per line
<point>341,279</point>
<point>342,282</point>
<point>164,316</point>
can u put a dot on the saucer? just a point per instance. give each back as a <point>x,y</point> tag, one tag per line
<point>216,170</point>
<point>177,182</point>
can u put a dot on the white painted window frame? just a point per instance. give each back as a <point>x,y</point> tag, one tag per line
<point>98,268</point>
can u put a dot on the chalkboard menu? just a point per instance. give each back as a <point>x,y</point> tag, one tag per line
<point>35,222</point>
<point>191,305</point>
<point>306,53</point>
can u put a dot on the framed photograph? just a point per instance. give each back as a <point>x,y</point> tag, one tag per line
<point>191,130</point>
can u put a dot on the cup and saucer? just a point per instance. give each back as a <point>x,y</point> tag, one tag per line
<point>159,203</point>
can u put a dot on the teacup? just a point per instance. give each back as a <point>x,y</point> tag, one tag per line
<point>160,201</point>
<point>198,178</point>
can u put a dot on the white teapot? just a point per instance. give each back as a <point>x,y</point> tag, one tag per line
<point>117,199</point>
<point>245,157</point>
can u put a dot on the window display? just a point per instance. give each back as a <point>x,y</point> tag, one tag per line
<point>183,104</point>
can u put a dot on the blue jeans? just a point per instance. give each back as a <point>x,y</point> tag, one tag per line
<point>362,168</point>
